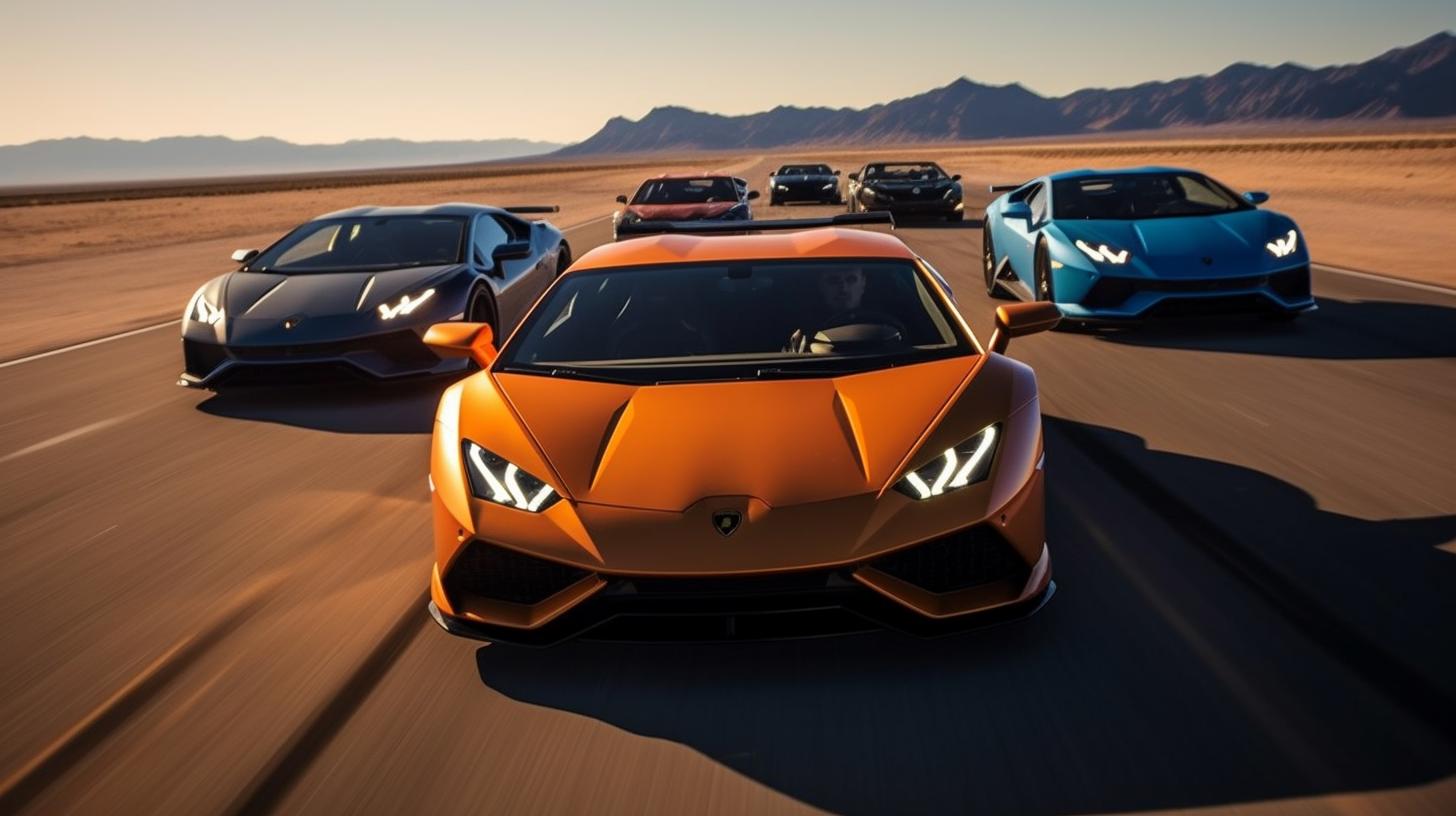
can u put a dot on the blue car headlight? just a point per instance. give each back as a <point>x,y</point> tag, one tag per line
<point>960,466</point>
<point>1284,245</point>
<point>495,480</point>
<point>1104,253</point>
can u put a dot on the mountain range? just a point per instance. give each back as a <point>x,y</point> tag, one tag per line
<point>83,159</point>
<point>1414,81</point>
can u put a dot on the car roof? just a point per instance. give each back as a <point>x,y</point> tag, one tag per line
<point>824,242</point>
<point>1089,173</point>
<point>456,208</point>
<point>689,176</point>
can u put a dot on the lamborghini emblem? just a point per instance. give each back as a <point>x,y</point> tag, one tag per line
<point>726,522</point>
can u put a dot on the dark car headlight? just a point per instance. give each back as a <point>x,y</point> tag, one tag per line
<point>406,304</point>
<point>494,479</point>
<point>203,311</point>
<point>960,466</point>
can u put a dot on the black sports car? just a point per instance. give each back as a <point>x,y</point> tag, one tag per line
<point>804,182</point>
<point>907,188</point>
<point>354,291</point>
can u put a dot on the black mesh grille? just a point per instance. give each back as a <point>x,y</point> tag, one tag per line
<point>1205,284</point>
<point>201,358</point>
<point>732,584</point>
<point>1108,292</point>
<point>487,571</point>
<point>1291,284</point>
<point>966,558</point>
<point>404,347</point>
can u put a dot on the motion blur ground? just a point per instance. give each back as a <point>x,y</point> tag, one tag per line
<point>213,602</point>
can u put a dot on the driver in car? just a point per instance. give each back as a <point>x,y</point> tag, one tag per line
<point>841,289</point>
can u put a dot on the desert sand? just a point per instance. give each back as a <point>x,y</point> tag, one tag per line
<point>1384,204</point>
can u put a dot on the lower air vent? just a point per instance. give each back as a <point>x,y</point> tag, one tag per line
<point>966,558</point>
<point>488,571</point>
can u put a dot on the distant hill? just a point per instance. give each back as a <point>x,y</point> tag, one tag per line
<point>83,159</point>
<point>1415,81</point>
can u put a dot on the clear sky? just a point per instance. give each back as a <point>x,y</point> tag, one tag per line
<point>331,70</point>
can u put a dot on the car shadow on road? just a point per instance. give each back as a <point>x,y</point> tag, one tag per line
<point>1101,702</point>
<point>355,408</point>
<point>1338,330</point>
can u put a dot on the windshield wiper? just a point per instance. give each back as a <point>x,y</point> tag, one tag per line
<point>567,372</point>
<point>775,373</point>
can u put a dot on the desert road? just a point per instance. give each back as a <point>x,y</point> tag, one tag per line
<point>216,603</point>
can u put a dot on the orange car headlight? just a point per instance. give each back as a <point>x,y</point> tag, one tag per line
<point>965,464</point>
<point>494,479</point>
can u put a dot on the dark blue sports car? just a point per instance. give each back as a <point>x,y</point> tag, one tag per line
<point>1143,242</point>
<point>354,291</point>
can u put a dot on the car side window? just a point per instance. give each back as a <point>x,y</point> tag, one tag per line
<point>1037,201</point>
<point>489,234</point>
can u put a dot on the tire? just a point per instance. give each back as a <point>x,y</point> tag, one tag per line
<point>1042,274</point>
<point>772,201</point>
<point>480,308</point>
<point>563,258</point>
<point>956,217</point>
<point>988,263</point>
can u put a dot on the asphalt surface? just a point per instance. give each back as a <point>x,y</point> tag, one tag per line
<point>216,603</point>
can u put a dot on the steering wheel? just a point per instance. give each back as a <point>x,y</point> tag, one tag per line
<point>851,316</point>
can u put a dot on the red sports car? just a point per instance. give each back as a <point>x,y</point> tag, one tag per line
<point>701,197</point>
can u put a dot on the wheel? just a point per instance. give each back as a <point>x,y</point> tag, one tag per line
<point>480,308</point>
<point>563,259</point>
<point>1043,274</point>
<point>773,201</point>
<point>956,217</point>
<point>988,263</point>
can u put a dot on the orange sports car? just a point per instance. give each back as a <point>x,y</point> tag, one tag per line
<point>777,434</point>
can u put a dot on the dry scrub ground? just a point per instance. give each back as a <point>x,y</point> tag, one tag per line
<point>71,272</point>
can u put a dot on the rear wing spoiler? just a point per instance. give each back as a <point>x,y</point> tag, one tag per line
<point>1004,188</point>
<point>737,227</point>
<point>533,209</point>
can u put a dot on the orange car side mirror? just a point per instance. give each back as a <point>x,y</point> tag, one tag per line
<point>474,340</point>
<point>1020,319</point>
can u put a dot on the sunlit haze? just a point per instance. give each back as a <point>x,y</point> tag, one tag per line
<point>555,70</point>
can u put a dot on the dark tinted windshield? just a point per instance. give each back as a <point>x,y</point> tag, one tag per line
<point>805,170</point>
<point>387,242</point>
<point>1141,195</point>
<point>686,191</point>
<point>904,172</point>
<point>750,319</point>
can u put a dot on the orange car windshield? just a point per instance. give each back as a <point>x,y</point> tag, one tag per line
<point>739,320</point>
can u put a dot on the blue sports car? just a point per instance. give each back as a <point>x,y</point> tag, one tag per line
<point>1143,242</point>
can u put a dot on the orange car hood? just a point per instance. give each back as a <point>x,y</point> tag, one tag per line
<point>783,442</point>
